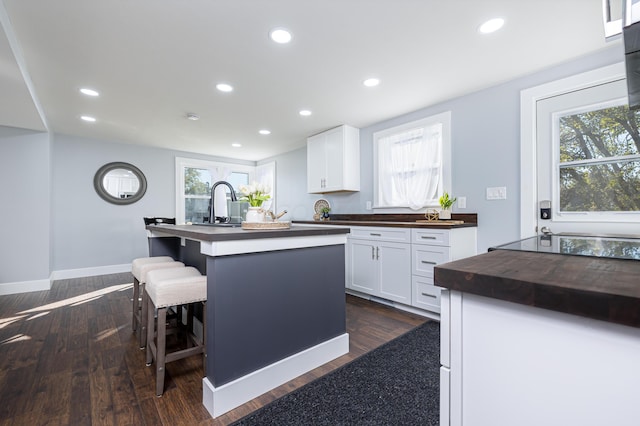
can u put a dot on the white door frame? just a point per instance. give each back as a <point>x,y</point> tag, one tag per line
<point>528,167</point>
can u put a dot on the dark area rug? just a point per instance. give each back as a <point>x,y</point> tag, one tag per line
<point>395,384</point>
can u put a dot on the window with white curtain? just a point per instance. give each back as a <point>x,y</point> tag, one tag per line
<point>194,179</point>
<point>412,164</point>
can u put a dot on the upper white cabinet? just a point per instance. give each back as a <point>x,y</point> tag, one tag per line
<point>333,160</point>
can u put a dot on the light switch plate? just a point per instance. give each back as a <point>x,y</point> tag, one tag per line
<point>497,193</point>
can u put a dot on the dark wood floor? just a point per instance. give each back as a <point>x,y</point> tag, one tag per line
<point>68,357</point>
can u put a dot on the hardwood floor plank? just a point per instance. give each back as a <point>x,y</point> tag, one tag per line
<point>68,356</point>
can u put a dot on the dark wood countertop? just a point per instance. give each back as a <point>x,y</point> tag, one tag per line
<point>592,287</point>
<point>394,220</point>
<point>214,233</point>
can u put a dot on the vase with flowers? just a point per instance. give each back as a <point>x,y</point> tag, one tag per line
<point>255,194</point>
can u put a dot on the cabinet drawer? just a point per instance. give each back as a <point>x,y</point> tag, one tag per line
<point>425,257</point>
<point>425,294</point>
<point>438,237</point>
<point>400,235</point>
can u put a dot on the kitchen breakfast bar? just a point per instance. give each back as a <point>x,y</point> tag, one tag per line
<point>275,303</point>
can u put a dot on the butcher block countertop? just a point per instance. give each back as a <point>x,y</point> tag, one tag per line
<point>594,287</point>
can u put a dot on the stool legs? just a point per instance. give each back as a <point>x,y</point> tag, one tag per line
<point>135,318</point>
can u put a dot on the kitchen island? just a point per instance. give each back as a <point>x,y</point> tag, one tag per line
<point>532,337</point>
<point>275,303</point>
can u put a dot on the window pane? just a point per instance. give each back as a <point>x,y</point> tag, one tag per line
<point>236,179</point>
<point>607,132</point>
<point>613,187</point>
<point>197,181</point>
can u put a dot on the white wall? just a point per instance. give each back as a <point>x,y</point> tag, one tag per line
<point>88,232</point>
<point>485,151</point>
<point>24,210</point>
<point>84,232</point>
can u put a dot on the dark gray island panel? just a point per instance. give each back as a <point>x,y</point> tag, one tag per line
<point>263,307</point>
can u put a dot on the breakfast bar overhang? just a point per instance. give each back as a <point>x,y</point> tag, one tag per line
<point>275,303</point>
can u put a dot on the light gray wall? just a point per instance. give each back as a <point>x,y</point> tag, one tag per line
<point>57,222</point>
<point>485,152</point>
<point>90,232</point>
<point>24,210</point>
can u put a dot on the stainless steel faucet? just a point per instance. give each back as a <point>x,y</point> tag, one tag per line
<point>212,217</point>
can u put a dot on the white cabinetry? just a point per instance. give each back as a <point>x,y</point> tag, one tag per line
<point>507,364</point>
<point>379,262</point>
<point>396,264</point>
<point>333,160</point>
<point>431,247</point>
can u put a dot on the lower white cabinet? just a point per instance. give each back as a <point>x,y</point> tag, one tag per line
<point>431,247</point>
<point>379,267</point>
<point>396,264</point>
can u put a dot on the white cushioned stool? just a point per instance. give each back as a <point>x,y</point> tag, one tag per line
<point>139,268</point>
<point>167,288</point>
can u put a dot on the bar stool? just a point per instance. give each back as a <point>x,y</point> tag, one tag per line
<point>164,288</point>
<point>139,268</point>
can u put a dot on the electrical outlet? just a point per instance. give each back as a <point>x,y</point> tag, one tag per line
<point>368,205</point>
<point>462,202</point>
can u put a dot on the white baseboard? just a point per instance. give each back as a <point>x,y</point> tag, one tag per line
<point>24,286</point>
<point>90,272</point>
<point>45,284</point>
<point>406,308</point>
<point>231,395</point>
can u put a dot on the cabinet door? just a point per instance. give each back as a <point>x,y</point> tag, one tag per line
<point>334,159</point>
<point>316,163</point>
<point>395,271</point>
<point>363,269</point>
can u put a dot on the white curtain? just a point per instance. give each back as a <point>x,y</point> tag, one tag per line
<point>410,166</point>
<point>266,175</point>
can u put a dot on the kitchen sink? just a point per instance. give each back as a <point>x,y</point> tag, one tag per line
<point>221,225</point>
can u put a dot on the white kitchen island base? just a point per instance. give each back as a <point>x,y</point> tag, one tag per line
<point>509,364</point>
<point>231,395</point>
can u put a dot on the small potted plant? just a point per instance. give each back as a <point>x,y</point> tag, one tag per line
<point>446,202</point>
<point>325,213</point>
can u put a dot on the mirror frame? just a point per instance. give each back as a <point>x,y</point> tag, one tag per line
<point>98,180</point>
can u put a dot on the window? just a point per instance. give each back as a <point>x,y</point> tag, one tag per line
<point>194,179</point>
<point>412,164</point>
<point>598,159</point>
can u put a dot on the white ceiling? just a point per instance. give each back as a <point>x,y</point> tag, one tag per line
<point>154,61</point>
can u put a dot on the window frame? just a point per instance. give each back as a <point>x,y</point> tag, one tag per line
<point>528,145</point>
<point>584,216</point>
<point>444,119</point>
<point>183,162</point>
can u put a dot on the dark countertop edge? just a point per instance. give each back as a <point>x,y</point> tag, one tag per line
<point>574,285</point>
<point>385,224</point>
<point>214,234</point>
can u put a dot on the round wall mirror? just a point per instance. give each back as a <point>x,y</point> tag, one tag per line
<point>120,183</point>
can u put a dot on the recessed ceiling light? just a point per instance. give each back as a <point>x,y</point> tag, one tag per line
<point>305,112</point>
<point>87,118</point>
<point>224,87</point>
<point>491,25</point>
<point>280,35</point>
<point>371,82</point>
<point>264,132</point>
<point>236,145</point>
<point>89,92</point>
<point>193,117</point>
